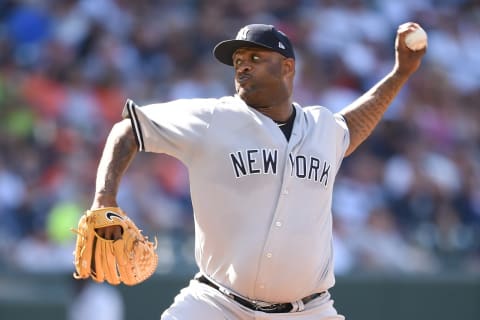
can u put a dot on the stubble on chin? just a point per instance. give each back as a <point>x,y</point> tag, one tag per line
<point>246,97</point>
<point>250,95</point>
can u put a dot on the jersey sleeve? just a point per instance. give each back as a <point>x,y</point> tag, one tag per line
<point>342,136</point>
<point>175,128</point>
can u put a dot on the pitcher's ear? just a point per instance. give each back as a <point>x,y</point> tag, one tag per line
<point>289,66</point>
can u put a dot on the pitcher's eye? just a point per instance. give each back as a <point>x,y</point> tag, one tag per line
<point>255,58</point>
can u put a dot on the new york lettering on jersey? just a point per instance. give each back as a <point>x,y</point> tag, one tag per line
<point>265,161</point>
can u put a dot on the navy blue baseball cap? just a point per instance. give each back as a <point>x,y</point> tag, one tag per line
<point>254,35</point>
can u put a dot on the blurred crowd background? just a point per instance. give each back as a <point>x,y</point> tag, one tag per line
<point>408,201</point>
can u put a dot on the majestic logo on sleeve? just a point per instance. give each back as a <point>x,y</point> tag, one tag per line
<point>265,161</point>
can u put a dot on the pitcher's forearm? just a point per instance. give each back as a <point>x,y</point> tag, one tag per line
<point>118,153</point>
<point>364,114</point>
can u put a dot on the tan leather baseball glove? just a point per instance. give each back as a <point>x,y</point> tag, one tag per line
<point>129,259</point>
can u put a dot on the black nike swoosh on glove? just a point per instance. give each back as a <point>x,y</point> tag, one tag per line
<point>111,214</point>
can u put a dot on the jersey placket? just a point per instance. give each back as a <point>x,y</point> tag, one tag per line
<point>270,249</point>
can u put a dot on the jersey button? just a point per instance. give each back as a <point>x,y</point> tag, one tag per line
<point>278,224</point>
<point>285,191</point>
<point>269,255</point>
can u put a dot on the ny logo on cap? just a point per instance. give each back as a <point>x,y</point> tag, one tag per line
<point>242,34</point>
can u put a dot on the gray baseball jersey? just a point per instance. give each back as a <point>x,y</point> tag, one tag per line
<point>262,204</point>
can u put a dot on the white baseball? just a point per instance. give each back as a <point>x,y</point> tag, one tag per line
<point>416,40</point>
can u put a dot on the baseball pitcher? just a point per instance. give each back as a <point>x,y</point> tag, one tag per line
<point>262,170</point>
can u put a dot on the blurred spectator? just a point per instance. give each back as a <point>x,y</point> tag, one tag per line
<point>381,247</point>
<point>95,301</point>
<point>37,253</point>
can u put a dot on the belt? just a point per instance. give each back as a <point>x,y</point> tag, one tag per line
<point>262,306</point>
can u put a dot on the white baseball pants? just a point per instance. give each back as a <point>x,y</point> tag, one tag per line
<point>202,302</point>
